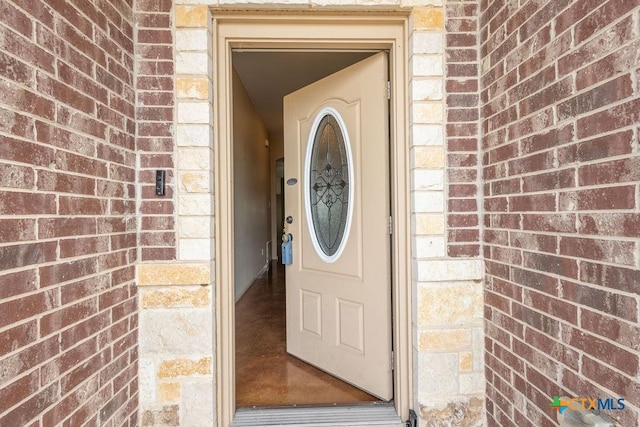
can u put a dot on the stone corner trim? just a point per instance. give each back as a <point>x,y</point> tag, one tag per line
<point>174,274</point>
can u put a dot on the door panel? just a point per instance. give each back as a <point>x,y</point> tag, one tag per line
<point>338,288</point>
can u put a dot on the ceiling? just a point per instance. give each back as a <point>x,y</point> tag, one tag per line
<point>270,75</point>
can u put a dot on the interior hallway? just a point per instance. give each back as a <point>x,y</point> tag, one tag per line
<point>265,374</point>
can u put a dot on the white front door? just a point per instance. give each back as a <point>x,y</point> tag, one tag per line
<point>337,196</point>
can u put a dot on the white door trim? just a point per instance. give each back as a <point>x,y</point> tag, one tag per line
<point>310,30</point>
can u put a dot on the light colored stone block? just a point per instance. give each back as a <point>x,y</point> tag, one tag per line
<point>173,274</point>
<point>192,88</point>
<point>428,18</point>
<point>427,65</point>
<point>266,2</point>
<point>195,39</point>
<point>147,380</point>
<point>466,361</point>
<point>427,112</point>
<point>195,159</point>
<point>194,227</point>
<point>472,383</point>
<point>195,182</point>
<point>176,331</point>
<point>429,247</point>
<point>443,340</point>
<point>189,135</point>
<point>410,3</point>
<point>427,42</point>
<point>437,375</point>
<point>198,412</point>
<point>426,135</point>
<point>429,224</point>
<point>427,201</point>
<point>195,249</point>
<point>195,204</point>
<point>452,411</point>
<point>331,2</point>
<point>426,90</point>
<point>194,112</point>
<point>184,367</point>
<point>477,335</point>
<point>169,392</point>
<point>449,304</point>
<point>196,63</point>
<point>193,2</point>
<point>428,179</point>
<point>430,157</point>
<point>191,296</point>
<point>191,16</point>
<point>378,2</point>
<point>451,270</point>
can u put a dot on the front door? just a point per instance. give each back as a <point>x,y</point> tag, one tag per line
<point>337,200</point>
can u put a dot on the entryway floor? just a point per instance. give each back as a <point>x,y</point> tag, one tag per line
<point>265,374</point>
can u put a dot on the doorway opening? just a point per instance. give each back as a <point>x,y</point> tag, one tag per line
<point>305,33</point>
<point>266,375</point>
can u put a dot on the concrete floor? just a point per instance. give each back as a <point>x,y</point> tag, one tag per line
<point>265,374</point>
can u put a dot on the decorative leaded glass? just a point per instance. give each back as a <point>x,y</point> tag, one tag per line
<point>329,185</point>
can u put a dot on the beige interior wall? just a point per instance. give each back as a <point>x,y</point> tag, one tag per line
<point>251,184</point>
<point>277,152</point>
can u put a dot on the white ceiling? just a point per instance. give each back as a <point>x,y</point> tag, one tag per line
<point>270,75</point>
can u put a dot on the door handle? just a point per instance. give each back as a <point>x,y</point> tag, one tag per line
<point>289,219</point>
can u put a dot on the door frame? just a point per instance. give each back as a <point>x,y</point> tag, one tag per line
<point>310,30</point>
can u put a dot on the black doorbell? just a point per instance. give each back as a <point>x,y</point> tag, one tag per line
<point>160,177</point>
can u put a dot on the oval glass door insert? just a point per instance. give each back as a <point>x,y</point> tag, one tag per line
<point>329,194</point>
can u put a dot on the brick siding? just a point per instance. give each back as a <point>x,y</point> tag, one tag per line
<point>155,116</point>
<point>68,311</point>
<point>560,113</point>
<point>462,129</point>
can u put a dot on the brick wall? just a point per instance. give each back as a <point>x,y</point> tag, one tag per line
<point>462,128</point>
<point>155,140</point>
<point>560,113</point>
<point>68,313</point>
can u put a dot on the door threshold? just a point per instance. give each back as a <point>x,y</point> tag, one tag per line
<point>376,414</point>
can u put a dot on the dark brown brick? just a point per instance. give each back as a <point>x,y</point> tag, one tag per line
<point>535,280</point>
<point>532,203</point>
<point>25,254</point>
<point>620,278</point>
<point>63,183</point>
<point>27,359</point>
<point>549,181</point>
<point>625,334</point>
<point>16,338</point>
<point>597,249</point>
<point>64,317</point>
<point>610,224</point>
<point>610,379</point>
<point>548,139</point>
<point>63,272</point>
<point>611,198</point>
<point>605,94</point>
<point>551,264</point>
<point>62,409</point>
<point>614,171</point>
<point>32,407</point>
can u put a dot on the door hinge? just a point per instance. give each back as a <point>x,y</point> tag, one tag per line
<point>393,361</point>
<point>388,89</point>
<point>390,225</point>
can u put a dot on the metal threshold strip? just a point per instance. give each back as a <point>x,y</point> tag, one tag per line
<point>379,414</point>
